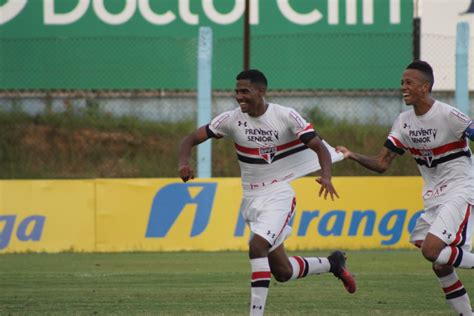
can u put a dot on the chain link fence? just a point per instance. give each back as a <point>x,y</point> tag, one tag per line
<point>80,133</point>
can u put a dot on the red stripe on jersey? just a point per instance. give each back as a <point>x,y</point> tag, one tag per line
<point>290,144</point>
<point>397,142</point>
<point>453,287</point>
<point>454,254</point>
<point>253,151</point>
<point>256,151</point>
<point>442,149</point>
<point>461,227</point>
<point>261,275</point>
<point>301,265</point>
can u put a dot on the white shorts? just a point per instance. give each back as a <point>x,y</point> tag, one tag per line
<point>269,214</point>
<point>451,222</point>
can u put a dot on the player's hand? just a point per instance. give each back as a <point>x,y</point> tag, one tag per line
<point>186,172</point>
<point>326,188</point>
<point>346,152</point>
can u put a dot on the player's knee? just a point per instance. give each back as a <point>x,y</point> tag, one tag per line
<point>442,270</point>
<point>282,274</point>
<point>430,254</point>
<point>258,247</point>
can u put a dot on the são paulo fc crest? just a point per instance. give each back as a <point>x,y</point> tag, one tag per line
<point>427,155</point>
<point>267,153</point>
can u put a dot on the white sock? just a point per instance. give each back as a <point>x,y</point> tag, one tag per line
<point>306,266</point>
<point>456,295</point>
<point>456,257</point>
<point>260,282</point>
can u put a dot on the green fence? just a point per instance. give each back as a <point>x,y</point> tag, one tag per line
<point>131,44</point>
<point>107,88</point>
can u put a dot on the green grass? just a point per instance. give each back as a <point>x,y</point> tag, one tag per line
<point>199,283</point>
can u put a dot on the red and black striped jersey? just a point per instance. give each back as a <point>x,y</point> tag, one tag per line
<point>437,143</point>
<point>268,147</point>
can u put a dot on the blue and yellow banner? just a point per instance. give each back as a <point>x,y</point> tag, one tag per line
<point>47,215</point>
<point>204,214</point>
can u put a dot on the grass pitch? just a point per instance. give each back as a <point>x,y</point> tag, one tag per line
<point>196,283</point>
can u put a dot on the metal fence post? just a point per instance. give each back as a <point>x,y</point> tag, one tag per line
<point>462,67</point>
<point>204,96</point>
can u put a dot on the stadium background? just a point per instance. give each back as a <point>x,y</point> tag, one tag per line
<point>106,89</point>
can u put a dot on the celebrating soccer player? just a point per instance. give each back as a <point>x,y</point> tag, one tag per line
<point>436,134</point>
<point>274,145</point>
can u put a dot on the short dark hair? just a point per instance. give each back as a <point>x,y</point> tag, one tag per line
<point>254,76</point>
<point>425,69</point>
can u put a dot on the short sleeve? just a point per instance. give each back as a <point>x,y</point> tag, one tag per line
<point>220,124</point>
<point>298,124</point>
<point>395,140</point>
<point>458,122</point>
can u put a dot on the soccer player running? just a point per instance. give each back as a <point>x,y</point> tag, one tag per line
<point>274,145</point>
<point>436,135</point>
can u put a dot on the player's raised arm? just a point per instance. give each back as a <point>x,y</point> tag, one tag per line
<point>325,161</point>
<point>379,163</point>
<point>186,171</point>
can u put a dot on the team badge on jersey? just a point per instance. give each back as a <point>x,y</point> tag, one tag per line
<point>427,154</point>
<point>267,153</point>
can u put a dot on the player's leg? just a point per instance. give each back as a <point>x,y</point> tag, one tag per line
<point>454,291</point>
<point>267,216</point>
<point>286,268</point>
<point>277,225</point>
<point>261,275</point>
<point>438,237</point>
<point>449,239</point>
<point>280,265</point>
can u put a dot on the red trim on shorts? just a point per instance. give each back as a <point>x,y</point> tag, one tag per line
<point>293,204</point>
<point>301,264</point>
<point>461,227</point>
<point>453,287</point>
<point>261,275</point>
<point>453,256</point>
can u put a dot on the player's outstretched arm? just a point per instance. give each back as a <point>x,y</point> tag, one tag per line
<point>185,170</point>
<point>324,158</point>
<point>379,163</point>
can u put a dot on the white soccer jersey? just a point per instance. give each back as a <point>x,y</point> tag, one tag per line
<point>268,147</point>
<point>436,142</point>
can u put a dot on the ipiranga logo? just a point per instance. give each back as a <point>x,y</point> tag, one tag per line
<point>11,9</point>
<point>172,200</point>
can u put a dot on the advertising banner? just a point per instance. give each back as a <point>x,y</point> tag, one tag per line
<point>168,215</point>
<point>147,44</point>
<point>47,215</point>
